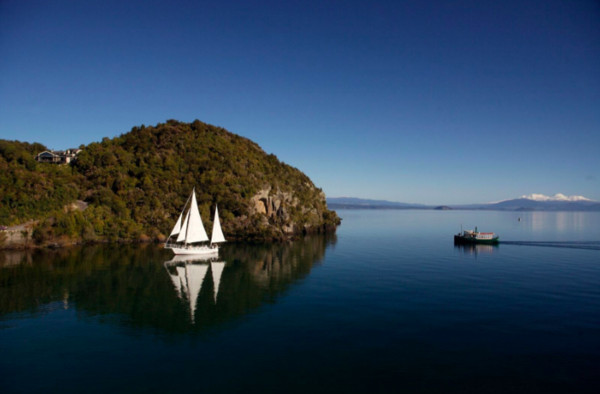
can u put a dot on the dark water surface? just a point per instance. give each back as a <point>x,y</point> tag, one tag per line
<point>387,305</point>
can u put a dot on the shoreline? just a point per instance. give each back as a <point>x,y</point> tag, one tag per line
<point>25,244</point>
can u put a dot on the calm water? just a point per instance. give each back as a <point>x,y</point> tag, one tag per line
<point>389,304</point>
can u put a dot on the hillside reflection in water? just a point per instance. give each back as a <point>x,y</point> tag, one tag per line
<point>146,287</point>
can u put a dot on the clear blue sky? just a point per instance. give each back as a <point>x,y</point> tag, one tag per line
<point>414,101</point>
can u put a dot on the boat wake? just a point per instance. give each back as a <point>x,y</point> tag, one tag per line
<point>590,245</point>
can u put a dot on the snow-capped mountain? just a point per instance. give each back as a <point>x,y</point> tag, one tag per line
<point>556,197</point>
<point>541,202</point>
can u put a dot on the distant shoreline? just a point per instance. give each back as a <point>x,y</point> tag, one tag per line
<point>449,208</point>
<point>21,240</point>
<point>515,205</point>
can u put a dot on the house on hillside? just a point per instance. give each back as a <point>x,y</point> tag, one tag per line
<point>57,156</point>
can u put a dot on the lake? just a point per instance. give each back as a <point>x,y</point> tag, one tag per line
<point>388,304</point>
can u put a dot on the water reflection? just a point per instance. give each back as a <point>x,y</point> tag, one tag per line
<point>188,274</point>
<point>143,286</point>
<point>563,222</point>
<point>475,249</point>
<point>15,257</point>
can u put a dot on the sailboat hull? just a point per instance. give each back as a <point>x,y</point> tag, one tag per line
<point>195,250</point>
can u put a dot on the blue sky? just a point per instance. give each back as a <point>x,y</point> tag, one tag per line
<point>427,102</point>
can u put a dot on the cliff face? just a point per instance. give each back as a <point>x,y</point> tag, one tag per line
<point>274,207</point>
<point>135,186</point>
<point>284,213</point>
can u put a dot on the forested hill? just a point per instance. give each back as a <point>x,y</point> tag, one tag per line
<point>136,184</point>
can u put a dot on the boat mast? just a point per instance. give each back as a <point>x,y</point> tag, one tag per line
<point>187,227</point>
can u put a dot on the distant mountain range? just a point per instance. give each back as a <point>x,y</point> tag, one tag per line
<point>533,202</point>
<point>360,203</point>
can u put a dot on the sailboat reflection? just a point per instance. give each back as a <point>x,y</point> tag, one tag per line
<point>128,284</point>
<point>188,272</point>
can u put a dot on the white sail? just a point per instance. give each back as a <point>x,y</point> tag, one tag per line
<point>217,233</point>
<point>217,270</point>
<point>184,225</point>
<point>195,277</point>
<point>177,227</point>
<point>195,228</point>
<point>189,233</point>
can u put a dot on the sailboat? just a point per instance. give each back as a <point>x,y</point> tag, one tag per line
<point>189,234</point>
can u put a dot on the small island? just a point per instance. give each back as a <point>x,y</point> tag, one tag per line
<point>130,188</point>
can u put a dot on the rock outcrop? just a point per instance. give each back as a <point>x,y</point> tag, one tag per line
<point>280,210</point>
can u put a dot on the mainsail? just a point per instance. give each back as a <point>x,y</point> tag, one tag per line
<point>191,230</point>
<point>195,228</point>
<point>217,233</point>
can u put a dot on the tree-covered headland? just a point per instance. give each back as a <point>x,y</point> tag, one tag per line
<point>135,185</point>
